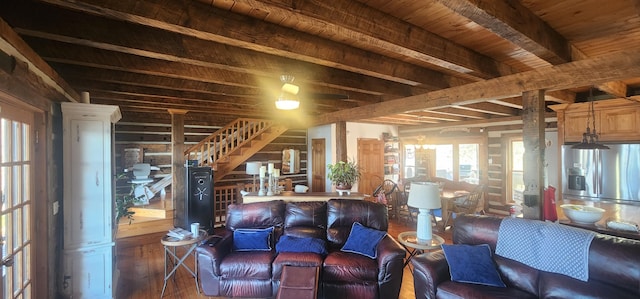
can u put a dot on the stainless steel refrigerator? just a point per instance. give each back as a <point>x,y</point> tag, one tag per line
<point>612,174</point>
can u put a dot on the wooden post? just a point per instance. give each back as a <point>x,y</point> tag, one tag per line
<point>533,139</point>
<point>177,155</point>
<point>341,141</point>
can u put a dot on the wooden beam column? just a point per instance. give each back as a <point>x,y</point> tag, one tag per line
<point>534,145</point>
<point>341,141</point>
<point>177,155</point>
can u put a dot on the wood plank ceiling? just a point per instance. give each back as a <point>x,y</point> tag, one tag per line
<point>403,62</point>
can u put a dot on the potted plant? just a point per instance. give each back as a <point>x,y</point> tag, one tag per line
<point>124,202</point>
<point>343,175</point>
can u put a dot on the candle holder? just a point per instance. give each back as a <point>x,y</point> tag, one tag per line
<point>270,188</point>
<point>262,191</point>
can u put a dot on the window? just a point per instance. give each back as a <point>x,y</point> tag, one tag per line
<point>468,161</point>
<point>515,180</point>
<point>458,162</point>
<point>445,159</point>
<point>409,161</point>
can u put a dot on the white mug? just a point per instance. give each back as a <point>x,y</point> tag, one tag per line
<point>195,229</point>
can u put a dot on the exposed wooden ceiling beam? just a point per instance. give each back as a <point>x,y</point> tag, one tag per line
<point>203,22</point>
<point>596,70</point>
<point>490,108</point>
<point>429,116</point>
<point>453,110</point>
<point>204,98</point>
<point>515,103</point>
<point>365,27</point>
<point>497,121</point>
<point>73,73</point>
<point>560,96</point>
<point>517,24</point>
<point>142,41</point>
<point>615,88</point>
<point>13,45</point>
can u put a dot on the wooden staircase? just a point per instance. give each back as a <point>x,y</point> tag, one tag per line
<point>233,144</point>
<point>223,150</point>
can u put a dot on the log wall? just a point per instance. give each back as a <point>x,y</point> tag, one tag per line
<point>152,138</point>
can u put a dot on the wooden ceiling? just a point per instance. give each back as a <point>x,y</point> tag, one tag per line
<point>403,62</point>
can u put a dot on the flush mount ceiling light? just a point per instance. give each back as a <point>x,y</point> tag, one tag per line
<point>590,138</point>
<point>288,99</point>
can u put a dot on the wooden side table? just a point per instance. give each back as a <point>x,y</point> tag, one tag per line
<point>410,242</point>
<point>170,255</point>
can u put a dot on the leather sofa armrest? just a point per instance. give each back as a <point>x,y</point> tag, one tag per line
<point>213,250</point>
<point>429,270</point>
<point>390,267</point>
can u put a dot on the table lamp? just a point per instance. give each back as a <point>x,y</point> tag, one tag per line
<point>253,168</point>
<point>424,196</point>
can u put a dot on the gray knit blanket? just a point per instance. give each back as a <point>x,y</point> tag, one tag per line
<point>546,246</point>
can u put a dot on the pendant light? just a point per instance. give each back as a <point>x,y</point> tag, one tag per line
<point>288,99</point>
<point>590,138</point>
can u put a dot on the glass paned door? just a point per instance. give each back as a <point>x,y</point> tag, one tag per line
<point>16,187</point>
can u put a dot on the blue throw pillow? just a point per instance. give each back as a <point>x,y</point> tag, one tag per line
<point>245,239</point>
<point>472,264</point>
<point>296,244</point>
<point>363,240</point>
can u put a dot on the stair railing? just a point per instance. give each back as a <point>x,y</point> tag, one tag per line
<point>223,142</point>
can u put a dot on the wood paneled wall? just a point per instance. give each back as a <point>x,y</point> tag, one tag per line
<point>153,137</point>
<point>496,180</point>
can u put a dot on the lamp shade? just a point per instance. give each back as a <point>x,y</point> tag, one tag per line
<point>253,167</point>
<point>424,195</point>
<point>287,101</point>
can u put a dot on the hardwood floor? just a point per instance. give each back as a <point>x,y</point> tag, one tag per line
<point>140,261</point>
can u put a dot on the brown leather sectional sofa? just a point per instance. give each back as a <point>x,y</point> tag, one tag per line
<point>256,274</point>
<point>614,269</point>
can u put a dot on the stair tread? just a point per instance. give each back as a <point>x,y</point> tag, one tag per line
<point>166,204</point>
<point>143,226</point>
<point>140,219</point>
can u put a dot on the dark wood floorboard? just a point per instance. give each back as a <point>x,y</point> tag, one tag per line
<point>140,261</point>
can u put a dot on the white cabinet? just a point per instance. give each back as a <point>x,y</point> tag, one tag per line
<point>89,272</point>
<point>88,206</point>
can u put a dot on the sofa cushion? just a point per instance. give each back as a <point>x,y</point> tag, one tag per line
<point>363,240</point>
<point>306,219</point>
<point>518,275</point>
<point>342,213</point>
<point>246,239</point>
<point>349,267</point>
<point>472,264</point>
<point>457,290</point>
<point>560,286</point>
<point>256,215</point>
<point>309,213</point>
<point>295,244</point>
<point>243,264</point>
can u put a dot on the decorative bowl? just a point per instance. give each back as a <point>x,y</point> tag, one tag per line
<point>301,189</point>
<point>582,214</point>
